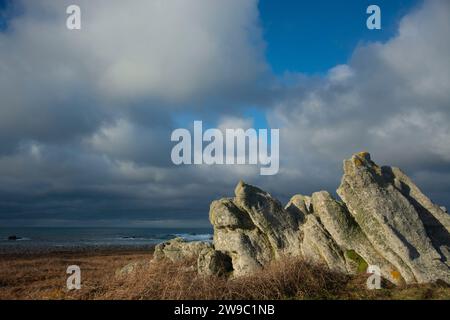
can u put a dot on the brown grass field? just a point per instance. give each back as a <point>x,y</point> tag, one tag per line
<point>43,276</point>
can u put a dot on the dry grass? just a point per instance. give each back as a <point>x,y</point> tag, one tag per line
<point>44,277</point>
<point>286,279</point>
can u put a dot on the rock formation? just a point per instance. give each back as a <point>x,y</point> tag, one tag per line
<point>209,261</point>
<point>179,249</point>
<point>384,219</point>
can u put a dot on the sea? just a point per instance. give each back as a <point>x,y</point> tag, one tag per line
<point>84,238</point>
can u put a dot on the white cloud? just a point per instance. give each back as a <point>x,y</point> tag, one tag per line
<point>166,49</point>
<point>392,99</point>
<point>160,55</point>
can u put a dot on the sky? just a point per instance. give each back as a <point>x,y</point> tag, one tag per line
<point>86,116</point>
<point>314,36</point>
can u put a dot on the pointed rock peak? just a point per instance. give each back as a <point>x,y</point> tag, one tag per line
<point>363,160</point>
<point>241,184</point>
<point>302,202</point>
<point>299,207</point>
<point>243,189</point>
<point>364,154</point>
<point>299,198</point>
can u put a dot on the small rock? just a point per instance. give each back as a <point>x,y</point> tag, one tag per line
<point>131,268</point>
<point>179,249</point>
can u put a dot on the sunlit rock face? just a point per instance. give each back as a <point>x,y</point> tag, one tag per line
<point>401,223</point>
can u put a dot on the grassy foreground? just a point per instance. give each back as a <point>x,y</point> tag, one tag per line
<point>43,277</point>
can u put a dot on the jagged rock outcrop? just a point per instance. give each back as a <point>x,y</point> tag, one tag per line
<point>394,216</point>
<point>383,219</point>
<point>435,219</point>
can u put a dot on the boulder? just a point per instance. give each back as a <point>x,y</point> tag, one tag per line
<point>179,249</point>
<point>269,216</point>
<point>206,260</point>
<point>389,216</point>
<point>237,236</point>
<point>253,228</point>
<point>130,268</point>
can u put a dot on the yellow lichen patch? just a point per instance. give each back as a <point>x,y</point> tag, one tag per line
<point>358,162</point>
<point>395,274</point>
<point>364,154</point>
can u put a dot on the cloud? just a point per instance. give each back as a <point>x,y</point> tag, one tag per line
<point>392,99</point>
<point>86,116</point>
<point>169,50</point>
<point>60,84</point>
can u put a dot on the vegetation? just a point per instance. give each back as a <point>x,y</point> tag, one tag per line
<point>44,277</point>
<point>359,261</point>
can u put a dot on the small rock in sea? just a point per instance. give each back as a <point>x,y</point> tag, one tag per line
<point>13,238</point>
<point>444,209</point>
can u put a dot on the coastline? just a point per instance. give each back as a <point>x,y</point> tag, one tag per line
<point>29,240</point>
<point>31,251</point>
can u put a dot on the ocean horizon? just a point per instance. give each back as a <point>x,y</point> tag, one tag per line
<point>86,237</point>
